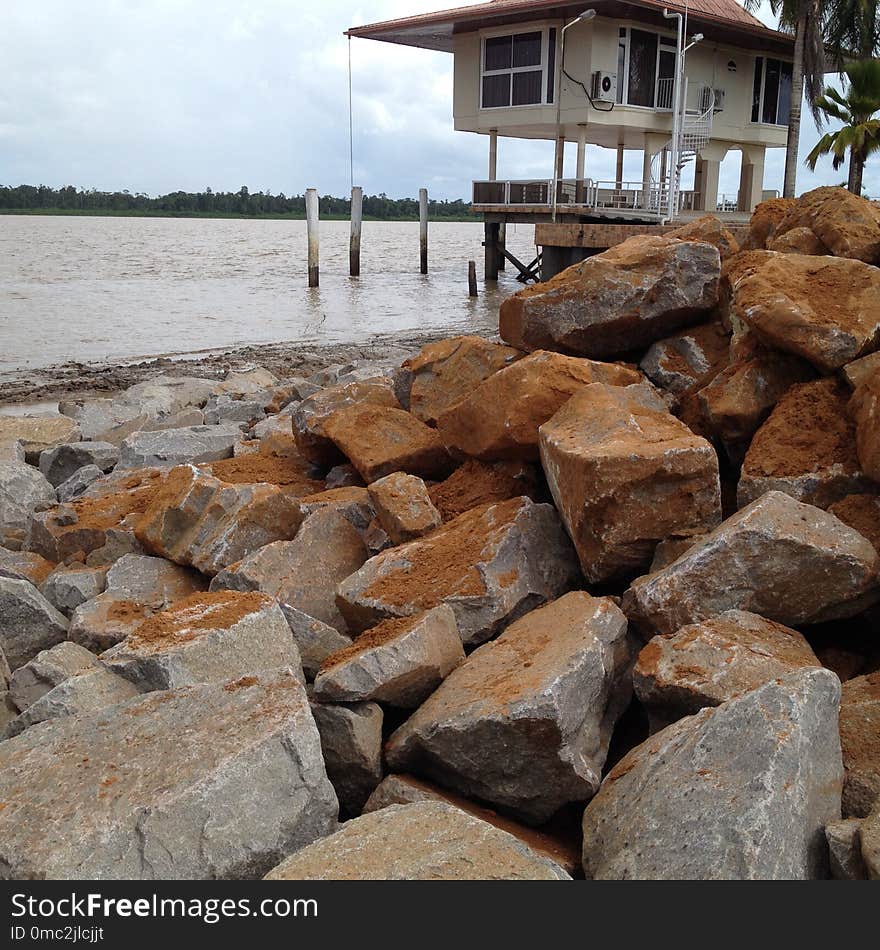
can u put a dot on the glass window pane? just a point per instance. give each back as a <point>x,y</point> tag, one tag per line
<point>621,66</point>
<point>496,91</point>
<point>551,64</point>
<point>756,88</point>
<point>784,110</point>
<point>771,91</point>
<point>642,68</point>
<point>527,88</point>
<point>499,51</point>
<point>527,49</point>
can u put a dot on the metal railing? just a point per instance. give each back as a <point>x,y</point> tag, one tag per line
<point>535,192</point>
<point>663,98</point>
<point>579,193</point>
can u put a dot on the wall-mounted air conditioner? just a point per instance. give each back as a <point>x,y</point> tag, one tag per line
<point>604,87</point>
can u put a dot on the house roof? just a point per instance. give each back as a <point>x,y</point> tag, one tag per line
<point>728,21</point>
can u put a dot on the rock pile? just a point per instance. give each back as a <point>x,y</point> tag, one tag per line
<point>595,601</point>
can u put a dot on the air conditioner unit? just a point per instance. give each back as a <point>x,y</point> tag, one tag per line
<point>704,99</point>
<point>604,87</point>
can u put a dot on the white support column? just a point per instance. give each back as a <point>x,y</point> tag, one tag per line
<point>493,154</point>
<point>580,189</point>
<point>646,176</point>
<point>618,174</point>
<point>751,178</point>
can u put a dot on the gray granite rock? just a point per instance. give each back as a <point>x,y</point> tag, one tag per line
<point>189,445</point>
<point>316,640</point>
<point>74,486</point>
<point>23,490</point>
<point>845,850</point>
<point>47,670</point>
<point>61,462</point>
<point>28,622</point>
<point>68,587</point>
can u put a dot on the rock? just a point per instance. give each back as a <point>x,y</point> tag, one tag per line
<point>404,507</point>
<point>47,670</point>
<point>679,362</point>
<point>807,449</point>
<point>501,417</point>
<point>206,638</point>
<point>68,587</point>
<point>625,475</point>
<point>707,663</point>
<point>399,662</point>
<point>861,512</point>
<point>845,850</point>
<point>37,433</point>
<point>448,370</point>
<point>353,503</point>
<point>429,841</point>
<point>74,486</point>
<point>8,712</point>
<point>408,790</point>
<point>764,221</point>
<point>861,370</point>
<point>28,622</point>
<point>343,476</point>
<point>199,521</point>
<point>787,561</point>
<point>510,726</point>
<point>23,490</point>
<point>223,409</point>
<point>823,309</point>
<point>860,740</point>
<point>491,565</point>
<point>25,565</point>
<point>865,411</point>
<point>670,550</point>
<point>246,382</point>
<point>311,414</point>
<point>5,672</point>
<point>869,833</point>
<point>292,473</point>
<point>12,450</point>
<point>59,463</point>
<point>620,300</point>
<point>189,445</point>
<point>742,791</point>
<point>379,440</point>
<point>848,225</point>
<point>477,483</point>
<point>798,241</point>
<point>227,780</point>
<point>315,639</point>
<point>88,691</point>
<point>106,620</point>
<point>708,229</point>
<point>351,741</point>
<point>144,422</point>
<point>290,392</point>
<point>302,573</point>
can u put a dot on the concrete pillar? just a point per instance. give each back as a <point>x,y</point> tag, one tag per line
<point>706,184</point>
<point>493,154</point>
<point>751,178</point>
<point>646,177</point>
<point>581,164</point>
<point>618,174</point>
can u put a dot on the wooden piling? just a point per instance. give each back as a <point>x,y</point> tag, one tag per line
<point>490,243</point>
<point>502,244</point>
<point>312,230</point>
<point>472,278</point>
<point>423,229</point>
<point>354,246</point>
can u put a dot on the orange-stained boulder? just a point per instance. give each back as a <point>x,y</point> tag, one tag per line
<point>798,241</point>
<point>865,410</point>
<point>765,219</point>
<point>710,230</point>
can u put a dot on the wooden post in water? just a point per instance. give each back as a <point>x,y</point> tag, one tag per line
<point>354,246</point>
<point>490,243</point>
<point>472,278</point>
<point>312,230</point>
<point>502,244</point>
<point>423,229</point>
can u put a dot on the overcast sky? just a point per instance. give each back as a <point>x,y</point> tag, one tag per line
<point>159,95</point>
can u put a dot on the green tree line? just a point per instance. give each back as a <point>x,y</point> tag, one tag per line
<point>42,198</point>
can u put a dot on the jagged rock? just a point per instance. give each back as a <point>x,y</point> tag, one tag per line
<point>225,409</point>
<point>612,303</point>
<point>74,486</point>
<point>408,790</point>
<point>491,565</point>
<point>206,638</point>
<point>625,475</point>
<point>189,445</point>
<point>764,221</point>
<point>106,620</point>
<point>707,663</point>
<point>25,565</point>
<point>11,450</point>
<point>510,725</point>
<point>68,587</point>
<point>448,370</point>
<point>291,472</point>
<point>343,476</point>
<point>787,561</point>
<point>37,433</point>
<point>28,622</point>
<point>501,417</point>
<point>861,370</point>
<point>670,550</point>
<point>227,779</point>
<point>289,392</point>
<point>47,670</point>
<point>429,841</point>
<point>823,309</point>
<point>351,741</point>
<point>376,538</point>
<point>312,413</point>
<point>477,483</point>
<point>845,850</point>
<point>869,835</point>
<point>741,791</point>
<point>798,241</point>
<point>865,410</point>
<point>807,449</point>
<point>353,503</point>
<point>59,463</point>
<point>860,739</point>
<point>246,382</point>
<point>847,224</point>
<point>404,507</point>
<point>147,423</point>
<point>302,573</point>
<point>8,712</point>
<point>315,639</point>
<point>399,662</point>
<point>23,490</point>
<point>5,672</point>
<point>205,523</point>
<point>710,230</point>
<point>861,512</point>
<point>679,362</point>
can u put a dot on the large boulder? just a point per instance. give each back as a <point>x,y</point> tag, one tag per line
<point>47,670</point>
<point>213,781</point>
<point>625,475</point>
<point>511,725</point>
<point>315,639</point>
<point>478,483</point>
<point>861,512</point>
<point>742,791</point>
<point>23,490</point>
<point>860,740</point>
<point>292,472</point>
<point>37,433</point>
<point>491,565</point>
<point>865,410</point>
<point>28,622</point>
<point>617,301</point>
<point>404,507</point>
<point>779,558</point>
<point>69,586</point>
<point>61,462</point>
<point>679,362</point>
<point>765,219</point>
<point>500,418</point>
<point>189,445</point>
<point>708,229</point>
<point>429,841</point>
<point>25,565</point>
<point>823,309</point>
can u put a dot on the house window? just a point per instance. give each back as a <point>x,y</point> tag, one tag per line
<point>771,91</point>
<point>645,68</point>
<point>516,69</point>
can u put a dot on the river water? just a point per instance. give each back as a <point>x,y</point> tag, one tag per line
<point>93,289</point>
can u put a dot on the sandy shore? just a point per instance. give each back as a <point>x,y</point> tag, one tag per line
<point>27,386</point>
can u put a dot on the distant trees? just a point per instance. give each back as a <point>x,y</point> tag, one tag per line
<point>209,202</point>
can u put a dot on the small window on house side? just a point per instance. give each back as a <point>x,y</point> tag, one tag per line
<point>771,91</point>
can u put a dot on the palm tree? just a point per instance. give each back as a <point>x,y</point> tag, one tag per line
<point>860,134</point>
<point>805,19</point>
<point>852,29</point>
